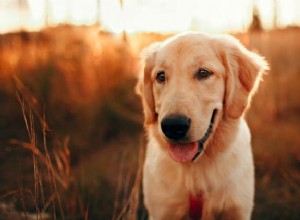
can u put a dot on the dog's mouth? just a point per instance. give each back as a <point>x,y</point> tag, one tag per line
<point>183,153</point>
<point>187,152</point>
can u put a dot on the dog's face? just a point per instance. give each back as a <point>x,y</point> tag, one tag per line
<point>186,79</point>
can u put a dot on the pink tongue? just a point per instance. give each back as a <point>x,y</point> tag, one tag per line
<point>183,152</point>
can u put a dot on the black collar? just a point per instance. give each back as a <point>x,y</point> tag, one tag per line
<point>206,135</point>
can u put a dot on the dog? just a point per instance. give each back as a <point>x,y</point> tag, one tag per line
<point>195,90</point>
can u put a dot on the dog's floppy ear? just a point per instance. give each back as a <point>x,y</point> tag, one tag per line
<point>244,71</point>
<point>144,85</point>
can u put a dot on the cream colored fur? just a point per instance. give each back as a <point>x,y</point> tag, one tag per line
<point>224,173</point>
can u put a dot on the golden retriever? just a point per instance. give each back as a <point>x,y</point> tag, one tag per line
<point>195,89</point>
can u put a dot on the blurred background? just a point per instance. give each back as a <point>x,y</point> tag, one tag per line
<point>71,133</point>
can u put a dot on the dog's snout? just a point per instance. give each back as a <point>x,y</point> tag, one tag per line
<point>175,126</point>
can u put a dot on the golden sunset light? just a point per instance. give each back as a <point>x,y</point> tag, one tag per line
<point>149,109</point>
<point>149,15</point>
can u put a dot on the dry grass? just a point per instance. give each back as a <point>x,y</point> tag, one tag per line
<point>130,206</point>
<point>72,132</point>
<point>51,170</point>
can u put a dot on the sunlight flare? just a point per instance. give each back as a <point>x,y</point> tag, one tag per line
<point>149,15</point>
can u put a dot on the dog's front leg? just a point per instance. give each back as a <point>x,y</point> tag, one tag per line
<point>164,197</point>
<point>235,213</point>
<point>163,204</point>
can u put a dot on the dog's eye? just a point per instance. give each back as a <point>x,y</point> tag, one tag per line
<point>203,74</point>
<point>161,77</point>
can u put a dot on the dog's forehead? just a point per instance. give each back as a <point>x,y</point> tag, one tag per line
<point>189,52</point>
<point>187,48</point>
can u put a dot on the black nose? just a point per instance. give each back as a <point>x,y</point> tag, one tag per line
<point>175,126</point>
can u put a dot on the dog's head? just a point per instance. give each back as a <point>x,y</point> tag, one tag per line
<point>190,76</point>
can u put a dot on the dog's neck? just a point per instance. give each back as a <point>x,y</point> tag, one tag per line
<point>224,133</point>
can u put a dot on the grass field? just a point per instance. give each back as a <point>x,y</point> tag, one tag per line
<point>71,133</point>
